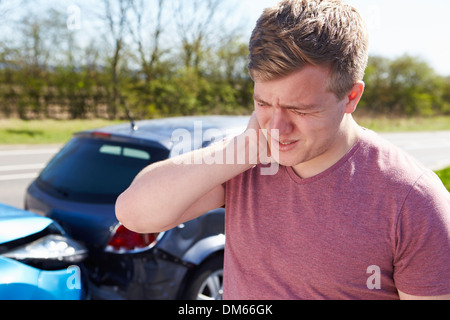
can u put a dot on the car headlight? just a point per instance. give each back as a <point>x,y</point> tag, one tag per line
<point>50,252</point>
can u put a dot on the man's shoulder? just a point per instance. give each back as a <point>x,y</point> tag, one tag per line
<point>379,159</point>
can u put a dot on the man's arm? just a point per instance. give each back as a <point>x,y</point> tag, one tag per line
<point>174,191</point>
<point>404,296</point>
<point>422,259</point>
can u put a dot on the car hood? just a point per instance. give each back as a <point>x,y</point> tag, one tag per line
<point>17,224</point>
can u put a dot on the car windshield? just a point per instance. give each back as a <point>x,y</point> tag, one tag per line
<point>96,170</point>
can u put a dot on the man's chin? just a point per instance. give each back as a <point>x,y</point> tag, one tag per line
<point>290,161</point>
<point>287,162</point>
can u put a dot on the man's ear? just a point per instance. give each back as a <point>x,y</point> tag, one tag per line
<point>354,96</point>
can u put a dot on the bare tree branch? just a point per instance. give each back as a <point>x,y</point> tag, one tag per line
<point>148,59</point>
<point>194,24</point>
<point>117,28</point>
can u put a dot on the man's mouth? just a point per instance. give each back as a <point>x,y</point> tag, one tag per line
<point>287,143</point>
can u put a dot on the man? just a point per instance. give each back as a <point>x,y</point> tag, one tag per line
<point>346,215</point>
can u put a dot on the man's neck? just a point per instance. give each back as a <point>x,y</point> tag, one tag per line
<point>346,139</point>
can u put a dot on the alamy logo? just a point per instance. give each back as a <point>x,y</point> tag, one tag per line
<point>74,18</point>
<point>74,278</point>
<point>374,281</point>
<point>185,141</point>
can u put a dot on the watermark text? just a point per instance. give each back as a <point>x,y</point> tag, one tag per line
<point>249,147</point>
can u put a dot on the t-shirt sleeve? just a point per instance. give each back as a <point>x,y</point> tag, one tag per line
<point>422,253</point>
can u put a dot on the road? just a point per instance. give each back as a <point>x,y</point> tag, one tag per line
<point>19,165</point>
<point>431,148</point>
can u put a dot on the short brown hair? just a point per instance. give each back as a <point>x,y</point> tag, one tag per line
<point>296,33</point>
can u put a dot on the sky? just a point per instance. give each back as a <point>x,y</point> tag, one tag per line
<point>396,27</point>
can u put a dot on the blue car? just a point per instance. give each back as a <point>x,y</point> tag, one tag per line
<point>37,259</point>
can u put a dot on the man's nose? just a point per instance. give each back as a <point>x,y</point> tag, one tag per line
<point>281,121</point>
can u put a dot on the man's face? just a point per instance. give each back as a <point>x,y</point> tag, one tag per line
<point>307,115</point>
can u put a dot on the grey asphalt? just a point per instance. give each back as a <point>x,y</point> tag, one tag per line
<point>19,166</point>
<point>431,148</point>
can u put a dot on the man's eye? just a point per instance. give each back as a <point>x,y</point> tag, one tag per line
<point>297,112</point>
<point>262,105</point>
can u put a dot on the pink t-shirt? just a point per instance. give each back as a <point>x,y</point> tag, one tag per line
<point>375,222</point>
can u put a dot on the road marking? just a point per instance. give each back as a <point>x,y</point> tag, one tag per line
<point>18,167</point>
<point>23,152</point>
<point>21,176</point>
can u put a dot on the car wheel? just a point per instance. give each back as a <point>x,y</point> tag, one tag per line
<point>206,283</point>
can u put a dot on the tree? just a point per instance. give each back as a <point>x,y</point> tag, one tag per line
<point>403,86</point>
<point>377,95</point>
<point>194,20</point>
<point>141,25</point>
<point>415,85</point>
<point>116,18</point>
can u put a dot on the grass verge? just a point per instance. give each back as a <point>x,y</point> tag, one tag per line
<point>403,124</point>
<point>445,177</point>
<point>15,131</point>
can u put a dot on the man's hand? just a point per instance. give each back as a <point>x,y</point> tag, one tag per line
<point>259,148</point>
<point>259,141</point>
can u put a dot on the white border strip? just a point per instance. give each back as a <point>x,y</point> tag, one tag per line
<point>21,176</point>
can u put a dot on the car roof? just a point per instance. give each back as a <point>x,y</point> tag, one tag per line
<point>163,130</point>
